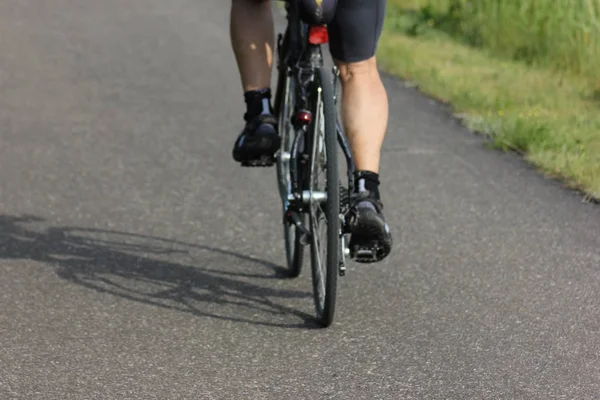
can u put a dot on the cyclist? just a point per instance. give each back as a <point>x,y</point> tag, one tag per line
<point>353,36</point>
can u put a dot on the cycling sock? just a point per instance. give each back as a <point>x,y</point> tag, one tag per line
<point>367,181</point>
<point>257,102</point>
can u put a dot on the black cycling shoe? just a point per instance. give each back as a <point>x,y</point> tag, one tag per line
<point>257,144</point>
<point>370,240</point>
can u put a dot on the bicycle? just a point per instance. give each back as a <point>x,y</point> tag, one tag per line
<point>310,129</point>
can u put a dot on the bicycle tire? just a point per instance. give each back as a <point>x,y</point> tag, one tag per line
<point>324,294</point>
<point>284,97</point>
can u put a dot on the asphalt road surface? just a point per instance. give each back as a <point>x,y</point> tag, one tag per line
<point>138,261</point>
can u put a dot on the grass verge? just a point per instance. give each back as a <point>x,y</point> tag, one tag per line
<point>552,118</point>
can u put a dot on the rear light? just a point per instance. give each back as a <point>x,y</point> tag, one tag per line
<point>318,34</point>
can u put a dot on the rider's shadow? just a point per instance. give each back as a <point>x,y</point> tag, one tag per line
<point>200,280</point>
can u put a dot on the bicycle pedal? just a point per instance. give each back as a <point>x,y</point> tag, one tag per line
<point>263,161</point>
<point>365,255</point>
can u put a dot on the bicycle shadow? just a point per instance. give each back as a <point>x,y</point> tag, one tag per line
<point>154,271</point>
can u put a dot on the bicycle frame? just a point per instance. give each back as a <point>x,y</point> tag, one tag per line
<point>301,63</point>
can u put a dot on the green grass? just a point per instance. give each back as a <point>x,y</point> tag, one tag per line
<point>543,102</point>
<point>564,34</point>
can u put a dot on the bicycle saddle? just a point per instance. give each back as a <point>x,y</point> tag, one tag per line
<point>317,12</point>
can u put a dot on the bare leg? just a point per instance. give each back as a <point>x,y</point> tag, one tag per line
<point>252,37</point>
<point>364,111</point>
<point>365,118</point>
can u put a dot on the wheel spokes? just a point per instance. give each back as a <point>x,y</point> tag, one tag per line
<point>285,130</point>
<point>318,197</point>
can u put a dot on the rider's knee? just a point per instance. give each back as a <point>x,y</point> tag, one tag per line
<point>352,70</point>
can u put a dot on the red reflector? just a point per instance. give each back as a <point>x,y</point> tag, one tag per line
<point>318,34</point>
<point>303,117</point>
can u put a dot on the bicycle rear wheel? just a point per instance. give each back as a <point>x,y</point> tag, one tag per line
<point>324,203</point>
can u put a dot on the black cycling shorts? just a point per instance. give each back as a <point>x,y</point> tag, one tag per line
<point>355,29</point>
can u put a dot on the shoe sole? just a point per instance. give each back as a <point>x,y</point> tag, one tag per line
<point>372,242</point>
<point>262,161</point>
<point>260,151</point>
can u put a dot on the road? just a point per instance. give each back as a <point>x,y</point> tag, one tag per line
<point>138,261</point>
